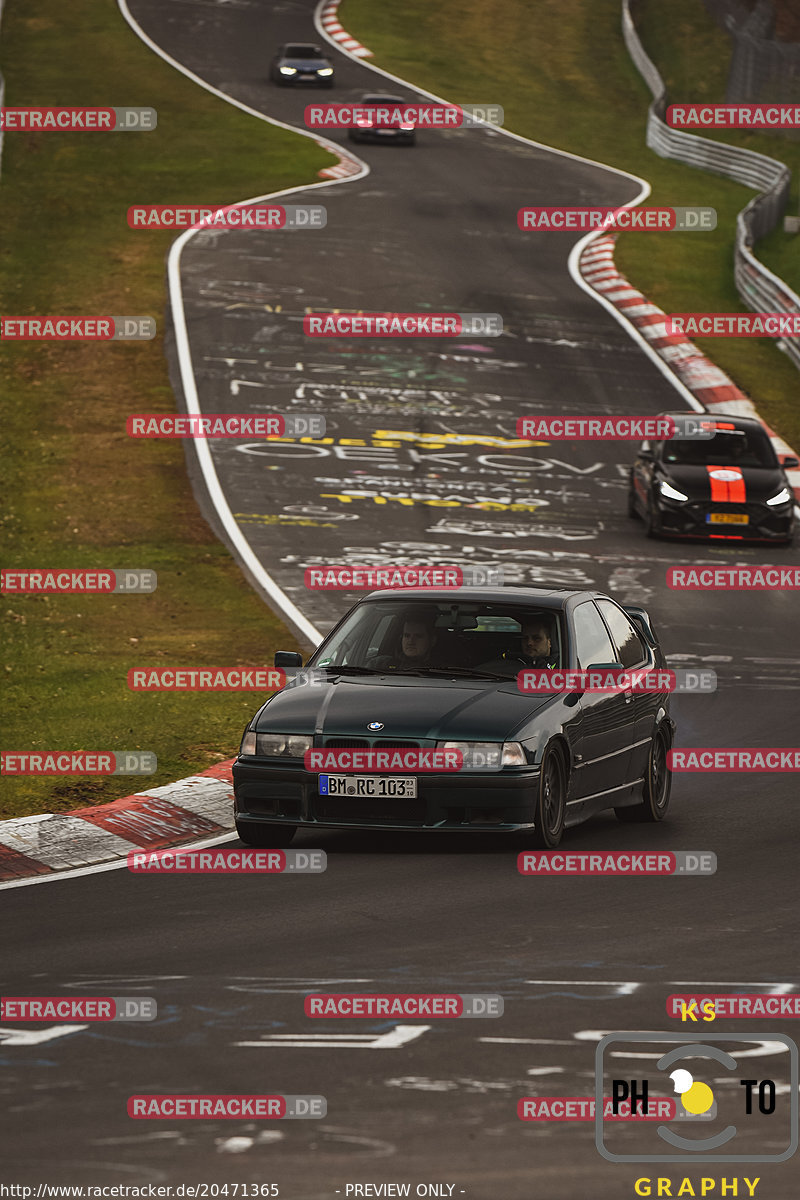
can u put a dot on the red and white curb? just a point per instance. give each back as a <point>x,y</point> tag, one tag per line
<point>347,165</point>
<point>197,807</point>
<point>330,23</point>
<point>699,374</point>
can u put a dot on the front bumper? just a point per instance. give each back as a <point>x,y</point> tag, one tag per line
<point>314,81</point>
<point>383,135</point>
<point>688,519</point>
<point>501,801</point>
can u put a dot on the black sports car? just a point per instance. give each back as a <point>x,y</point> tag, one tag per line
<point>301,63</point>
<point>731,485</point>
<point>430,669</point>
<point>371,130</point>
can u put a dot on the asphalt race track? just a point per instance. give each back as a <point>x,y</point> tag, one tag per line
<point>229,958</point>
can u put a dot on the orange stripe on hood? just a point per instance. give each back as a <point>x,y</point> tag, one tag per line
<point>727,491</point>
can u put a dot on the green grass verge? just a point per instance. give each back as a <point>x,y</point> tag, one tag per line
<point>78,491</point>
<point>562,73</point>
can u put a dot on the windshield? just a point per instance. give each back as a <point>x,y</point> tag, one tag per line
<point>302,52</point>
<point>383,100</point>
<point>728,448</point>
<point>423,637</point>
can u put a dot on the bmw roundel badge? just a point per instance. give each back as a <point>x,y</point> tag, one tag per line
<point>374,726</point>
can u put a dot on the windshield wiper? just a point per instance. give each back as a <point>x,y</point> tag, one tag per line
<point>348,670</point>
<point>461,672</point>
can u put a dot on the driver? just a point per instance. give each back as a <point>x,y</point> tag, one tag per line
<point>537,649</point>
<point>416,644</point>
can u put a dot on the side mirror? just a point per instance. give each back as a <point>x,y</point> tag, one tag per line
<point>288,658</point>
<point>612,666</point>
<point>789,462</point>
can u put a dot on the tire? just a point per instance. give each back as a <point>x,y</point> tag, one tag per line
<point>652,524</point>
<point>632,510</point>
<point>265,835</point>
<point>551,800</point>
<point>657,784</point>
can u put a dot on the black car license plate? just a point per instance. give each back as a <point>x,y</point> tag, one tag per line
<point>404,786</point>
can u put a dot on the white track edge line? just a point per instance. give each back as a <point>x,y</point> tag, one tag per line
<point>237,539</point>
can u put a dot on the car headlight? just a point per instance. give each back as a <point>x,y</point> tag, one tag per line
<point>248,745</point>
<point>288,70</point>
<point>487,756</point>
<point>783,497</point>
<point>407,125</point>
<point>671,492</point>
<point>282,745</point>
<point>325,71</point>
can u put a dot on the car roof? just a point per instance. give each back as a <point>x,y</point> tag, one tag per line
<point>544,597</point>
<point>382,96</point>
<point>744,423</point>
<point>301,47</point>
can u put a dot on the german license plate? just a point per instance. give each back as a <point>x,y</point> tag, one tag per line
<point>368,785</point>
<point>308,77</point>
<point>727,518</point>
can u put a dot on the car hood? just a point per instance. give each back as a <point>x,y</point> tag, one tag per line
<point>760,483</point>
<point>409,707</point>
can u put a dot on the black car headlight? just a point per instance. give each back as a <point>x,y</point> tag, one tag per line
<point>670,492</point>
<point>487,756</point>
<point>276,745</point>
<point>784,496</point>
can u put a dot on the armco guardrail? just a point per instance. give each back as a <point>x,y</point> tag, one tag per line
<point>759,289</point>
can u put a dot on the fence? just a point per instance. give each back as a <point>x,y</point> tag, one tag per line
<point>762,68</point>
<point>759,289</point>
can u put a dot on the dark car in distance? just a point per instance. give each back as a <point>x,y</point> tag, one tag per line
<point>301,62</point>
<point>438,669</point>
<point>729,486</point>
<point>369,129</point>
